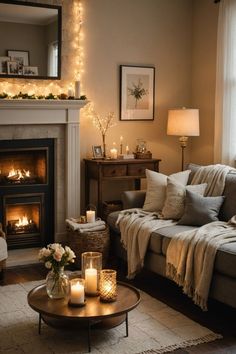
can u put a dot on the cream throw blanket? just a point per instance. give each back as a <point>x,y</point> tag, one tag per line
<point>214,176</point>
<point>191,254</point>
<point>136,226</point>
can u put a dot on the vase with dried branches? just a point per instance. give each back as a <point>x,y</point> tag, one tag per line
<point>103,124</point>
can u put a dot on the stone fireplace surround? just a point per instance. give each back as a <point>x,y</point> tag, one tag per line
<point>35,119</point>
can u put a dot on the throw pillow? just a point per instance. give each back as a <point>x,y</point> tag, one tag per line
<point>156,188</point>
<point>200,210</point>
<point>175,198</point>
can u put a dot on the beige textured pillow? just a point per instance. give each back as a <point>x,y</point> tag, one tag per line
<point>156,188</point>
<point>175,198</point>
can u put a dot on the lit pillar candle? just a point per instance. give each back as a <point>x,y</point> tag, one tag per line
<point>90,215</point>
<point>77,293</point>
<point>91,281</point>
<point>113,153</point>
<point>127,150</point>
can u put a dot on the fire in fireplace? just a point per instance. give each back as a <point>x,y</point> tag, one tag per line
<point>27,166</point>
<point>27,192</point>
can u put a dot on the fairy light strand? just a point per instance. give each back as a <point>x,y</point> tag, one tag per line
<point>41,87</point>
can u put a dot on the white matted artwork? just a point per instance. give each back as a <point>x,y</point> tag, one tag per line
<point>137,92</point>
<point>30,70</point>
<point>3,64</point>
<point>21,56</point>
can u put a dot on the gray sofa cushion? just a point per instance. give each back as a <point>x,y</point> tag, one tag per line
<point>200,210</point>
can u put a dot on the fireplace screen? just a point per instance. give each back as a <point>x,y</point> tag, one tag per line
<point>22,167</point>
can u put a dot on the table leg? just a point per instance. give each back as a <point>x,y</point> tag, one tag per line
<point>39,325</point>
<point>89,334</point>
<point>126,324</point>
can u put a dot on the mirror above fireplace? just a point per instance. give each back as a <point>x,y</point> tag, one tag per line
<point>30,40</point>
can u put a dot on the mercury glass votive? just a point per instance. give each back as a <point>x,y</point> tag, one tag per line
<point>91,268</point>
<point>107,285</point>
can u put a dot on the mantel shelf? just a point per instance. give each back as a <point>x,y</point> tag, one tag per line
<point>41,104</point>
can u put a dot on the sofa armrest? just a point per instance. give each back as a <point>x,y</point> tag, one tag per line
<point>133,199</point>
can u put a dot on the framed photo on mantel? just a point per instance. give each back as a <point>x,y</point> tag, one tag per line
<point>137,86</point>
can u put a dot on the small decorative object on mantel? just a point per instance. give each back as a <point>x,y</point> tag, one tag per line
<point>55,257</point>
<point>91,268</point>
<point>107,285</point>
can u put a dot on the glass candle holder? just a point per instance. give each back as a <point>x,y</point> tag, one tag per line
<point>77,292</point>
<point>108,286</point>
<point>91,267</point>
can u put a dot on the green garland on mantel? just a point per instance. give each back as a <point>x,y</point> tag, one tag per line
<point>50,96</point>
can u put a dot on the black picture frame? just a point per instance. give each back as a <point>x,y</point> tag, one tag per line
<point>137,93</point>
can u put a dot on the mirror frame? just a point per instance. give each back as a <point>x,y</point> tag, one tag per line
<point>59,9</point>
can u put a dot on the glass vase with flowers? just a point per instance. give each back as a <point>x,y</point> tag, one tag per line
<point>55,257</point>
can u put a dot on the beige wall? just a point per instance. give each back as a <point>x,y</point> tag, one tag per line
<point>137,32</point>
<point>205,16</point>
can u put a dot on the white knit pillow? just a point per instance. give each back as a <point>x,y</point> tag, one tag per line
<point>156,188</point>
<point>175,198</point>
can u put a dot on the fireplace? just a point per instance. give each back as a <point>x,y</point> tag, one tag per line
<point>27,191</point>
<point>58,120</point>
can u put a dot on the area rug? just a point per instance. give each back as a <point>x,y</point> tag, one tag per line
<point>153,328</point>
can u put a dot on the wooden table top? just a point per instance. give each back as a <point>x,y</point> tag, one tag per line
<point>128,298</point>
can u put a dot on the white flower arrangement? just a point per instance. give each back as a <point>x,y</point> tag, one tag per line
<point>55,256</point>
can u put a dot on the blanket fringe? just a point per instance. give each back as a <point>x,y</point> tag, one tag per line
<point>192,342</point>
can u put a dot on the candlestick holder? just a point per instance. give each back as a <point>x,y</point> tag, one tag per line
<point>91,268</point>
<point>107,285</point>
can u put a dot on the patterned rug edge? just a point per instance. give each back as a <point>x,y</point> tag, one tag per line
<point>189,343</point>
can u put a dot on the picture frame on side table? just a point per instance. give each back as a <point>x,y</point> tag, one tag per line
<point>137,92</point>
<point>97,152</point>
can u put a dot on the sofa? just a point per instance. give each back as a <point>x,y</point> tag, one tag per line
<point>223,285</point>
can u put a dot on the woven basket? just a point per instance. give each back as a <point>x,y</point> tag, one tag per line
<point>109,207</point>
<point>90,241</point>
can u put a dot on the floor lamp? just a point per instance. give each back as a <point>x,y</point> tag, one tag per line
<point>183,122</point>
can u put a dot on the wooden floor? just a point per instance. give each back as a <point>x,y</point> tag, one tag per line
<point>219,318</point>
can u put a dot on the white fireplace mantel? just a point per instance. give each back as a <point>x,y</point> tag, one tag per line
<point>32,112</point>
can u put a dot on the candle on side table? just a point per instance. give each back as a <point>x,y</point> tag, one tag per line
<point>114,153</point>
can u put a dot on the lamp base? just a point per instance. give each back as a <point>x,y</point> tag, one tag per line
<point>183,143</point>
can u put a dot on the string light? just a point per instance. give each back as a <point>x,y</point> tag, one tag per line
<point>41,87</point>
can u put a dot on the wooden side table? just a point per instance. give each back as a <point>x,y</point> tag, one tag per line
<point>105,170</point>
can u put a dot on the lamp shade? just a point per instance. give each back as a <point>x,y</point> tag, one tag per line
<point>183,122</point>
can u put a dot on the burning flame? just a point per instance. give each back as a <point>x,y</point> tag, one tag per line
<point>22,221</point>
<point>18,174</point>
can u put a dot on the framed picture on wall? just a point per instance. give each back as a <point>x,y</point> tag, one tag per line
<point>21,56</point>
<point>137,85</point>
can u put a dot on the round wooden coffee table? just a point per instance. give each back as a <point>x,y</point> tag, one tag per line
<point>59,314</point>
